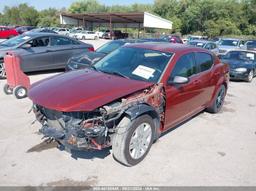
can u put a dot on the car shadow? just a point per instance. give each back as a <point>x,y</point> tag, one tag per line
<point>86,154</point>
<point>180,124</point>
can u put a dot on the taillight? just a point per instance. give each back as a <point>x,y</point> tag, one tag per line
<point>91,49</point>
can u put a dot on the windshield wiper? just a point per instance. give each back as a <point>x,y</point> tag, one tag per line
<point>93,67</point>
<point>115,73</point>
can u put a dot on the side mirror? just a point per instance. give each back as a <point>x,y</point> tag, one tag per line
<point>26,46</point>
<point>178,80</point>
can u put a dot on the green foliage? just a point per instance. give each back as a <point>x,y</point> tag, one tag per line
<point>206,17</point>
<point>21,15</point>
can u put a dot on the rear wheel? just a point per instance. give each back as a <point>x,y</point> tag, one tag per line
<point>2,71</point>
<point>83,37</point>
<point>218,100</point>
<point>250,76</point>
<point>7,89</point>
<point>133,140</point>
<point>20,92</point>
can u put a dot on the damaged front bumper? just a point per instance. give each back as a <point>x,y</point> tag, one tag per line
<point>95,129</point>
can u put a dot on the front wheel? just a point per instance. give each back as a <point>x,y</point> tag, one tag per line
<point>250,76</point>
<point>20,92</point>
<point>133,140</point>
<point>218,100</point>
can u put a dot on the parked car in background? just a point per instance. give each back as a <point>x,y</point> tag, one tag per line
<point>227,44</point>
<point>23,29</point>
<point>45,30</point>
<point>63,31</point>
<point>7,32</point>
<point>86,59</point>
<point>115,34</point>
<point>173,38</point>
<point>84,35</point>
<point>250,45</point>
<point>129,98</point>
<point>212,46</point>
<point>100,33</point>
<point>242,64</point>
<point>42,51</point>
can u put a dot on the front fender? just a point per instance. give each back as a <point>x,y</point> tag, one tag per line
<point>140,109</point>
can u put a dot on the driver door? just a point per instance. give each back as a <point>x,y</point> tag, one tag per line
<point>182,100</point>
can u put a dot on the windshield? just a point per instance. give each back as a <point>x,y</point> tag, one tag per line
<point>110,47</point>
<point>197,44</point>
<point>135,63</point>
<point>251,43</point>
<point>240,55</point>
<point>15,41</point>
<point>229,42</point>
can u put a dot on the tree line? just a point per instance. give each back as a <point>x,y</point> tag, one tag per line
<point>204,17</point>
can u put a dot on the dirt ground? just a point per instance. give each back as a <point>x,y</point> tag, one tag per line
<point>208,150</point>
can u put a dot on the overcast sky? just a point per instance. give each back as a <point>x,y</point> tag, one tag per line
<point>42,4</point>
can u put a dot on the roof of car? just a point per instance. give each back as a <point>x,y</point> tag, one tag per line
<point>241,50</point>
<point>230,39</point>
<point>38,34</point>
<point>165,47</point>
<point>202,41</point>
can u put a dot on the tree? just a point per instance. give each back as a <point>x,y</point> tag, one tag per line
<point>21,15</point>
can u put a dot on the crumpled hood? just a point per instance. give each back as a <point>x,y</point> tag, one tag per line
<point>82,90</point>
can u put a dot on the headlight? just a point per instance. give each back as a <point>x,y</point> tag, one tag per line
<point>240,69</point>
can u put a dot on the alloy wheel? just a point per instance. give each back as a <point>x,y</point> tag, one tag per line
<point>140,140</point>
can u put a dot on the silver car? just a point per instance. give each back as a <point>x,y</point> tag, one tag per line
<point>227,44</point>
<point>42,51</point>
<point>212,46</point>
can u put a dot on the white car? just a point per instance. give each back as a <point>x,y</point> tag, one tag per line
<point>83,35</point>
<point>63,31</point>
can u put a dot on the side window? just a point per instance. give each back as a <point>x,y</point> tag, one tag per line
<point>214,46</point>
<point>204,61</point>
<point>208,46</point>
<point>60,41</point>
<point>39,42</point>
<point>185,66</point>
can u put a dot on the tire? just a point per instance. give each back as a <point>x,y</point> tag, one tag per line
<point>218,100</point>
<point>20,92</point>
<point>7,89</point>
<point>126,146</point>
<point>96,38</point>
<point>2,71</point>
<point>83,37</point>
<point>250,76</point>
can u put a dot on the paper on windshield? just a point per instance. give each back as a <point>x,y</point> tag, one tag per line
<point>144,72</point>
<point>250,55</point>
<point>26,38</point>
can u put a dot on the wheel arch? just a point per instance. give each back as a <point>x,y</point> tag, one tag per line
<point>145,109</point>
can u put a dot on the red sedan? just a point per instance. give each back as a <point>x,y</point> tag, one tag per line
<point>7,32</point>
<point>131,96</point>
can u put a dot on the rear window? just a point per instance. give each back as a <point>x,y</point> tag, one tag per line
<point>204,61</point>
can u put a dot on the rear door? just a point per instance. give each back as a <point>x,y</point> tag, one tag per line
<point>184,99</point>
<point>207,80</point>
<point>38,57</point>
<point>63,49</point>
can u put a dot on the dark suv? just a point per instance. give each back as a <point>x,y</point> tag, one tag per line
<point>114,34</point>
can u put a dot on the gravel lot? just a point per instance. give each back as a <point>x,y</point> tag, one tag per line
<point>208,150</point>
